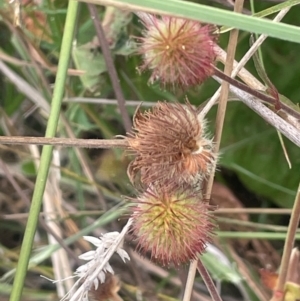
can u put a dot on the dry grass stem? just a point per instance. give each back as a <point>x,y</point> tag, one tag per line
<point>208,281</point>
<point>21,63</point>
<point>219,127</point>
<point>84,164</point>
<point>224,91</point>
<point>253,211</point>
<point>64,142</point>
<point>229,211</point>
<point>52,202</point>
<point>278,294</point>
<point>110,66</point>
<point>238,66</point>
<point>285,128</point>
<point>105,101</point>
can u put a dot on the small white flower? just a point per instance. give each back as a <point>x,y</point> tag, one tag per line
<point>123,254</point>
<point>93,240</point>
<point>93,271</point>
<point>87,256</point>
<point>96,257</point>
<point>101,277</point>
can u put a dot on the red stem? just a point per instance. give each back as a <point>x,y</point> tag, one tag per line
<point>208,281</point>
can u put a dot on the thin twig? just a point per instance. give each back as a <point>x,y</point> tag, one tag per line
<point>230,211</point>
<point>208,281</point>
<point>277,122</point>
<point>20,63</point>
<point>105,101</point>
<point>190,280</point>
<point>110,67</point>
<point>232,43</point>
<point>264,97</point>
<point>258,42</point>
<point>253,211</point>
<point>52,201</point>
<point>219,128</point>
<point>224,91</point>
<point>252,225</point>
<point>85,166</point>
<point>287,251</point>
<point>242,62</point>
<point>64,142</point>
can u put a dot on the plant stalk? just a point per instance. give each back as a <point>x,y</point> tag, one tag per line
<point>278,294</point>
<point>64,142</point>
<point>285,128</point>
<point>208,281</point>
<point>238,7</point>
<point>46,153</point>
<point>264,97</point>
<point>110,67</point>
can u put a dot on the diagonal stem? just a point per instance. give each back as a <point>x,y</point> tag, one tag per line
<point>287,129</point>
<point>278,294</point>
<point>264,97</point>
<point>241,63</point>
<point>208,281</point>
<point>110,66</point>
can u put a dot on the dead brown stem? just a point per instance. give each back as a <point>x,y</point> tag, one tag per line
<point>64,142</point>
<point>208,281</point>
<point>278,294</point>
<point>110,66</point>
<point>218,134</point>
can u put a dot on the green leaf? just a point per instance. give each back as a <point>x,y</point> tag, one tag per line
<point>219,266</point>
<point>91,61</point>
<point>269,11</point>
<point>251,148</point>
<point>28,168</point>
<point>221,269</point>
<point>209,14</point>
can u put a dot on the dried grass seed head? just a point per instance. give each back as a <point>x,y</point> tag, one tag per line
<point>171,146</point>
<point>178,52</point>
<point>173,227</point>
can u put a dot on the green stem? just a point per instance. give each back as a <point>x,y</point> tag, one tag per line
<point>209,14</point>
<point>255,235</point>
<point>46,153</point>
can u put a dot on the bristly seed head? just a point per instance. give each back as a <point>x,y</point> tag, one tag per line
<point>170,146</point>
<point>177,51</point>
<point>173,227</point>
